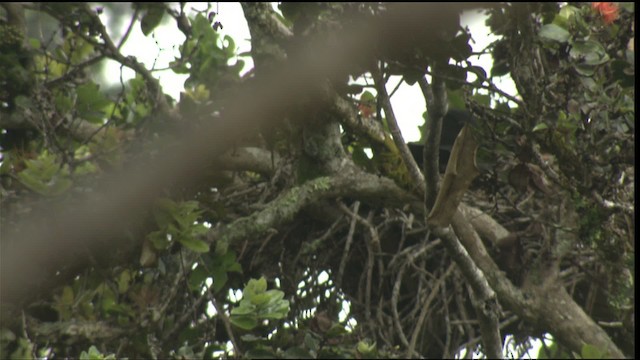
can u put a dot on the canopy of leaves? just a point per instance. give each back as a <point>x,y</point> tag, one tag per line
<point>279,214</point>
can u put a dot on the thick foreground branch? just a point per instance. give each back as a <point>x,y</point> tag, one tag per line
<point>548,307</point>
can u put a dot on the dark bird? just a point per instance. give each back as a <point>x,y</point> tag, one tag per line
<point>452,123</point>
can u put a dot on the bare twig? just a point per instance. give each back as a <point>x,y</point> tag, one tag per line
<point>134,18</point>
<point>491,87</point>
<point>460,303</point>
<point>476,278</point>
<point>226,323</point>
<point>369,276</point>
<point>347,245</point>
<point>425,310</point>
<point>394,306</point>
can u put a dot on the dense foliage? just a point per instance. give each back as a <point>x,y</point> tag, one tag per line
<point>279,213</point>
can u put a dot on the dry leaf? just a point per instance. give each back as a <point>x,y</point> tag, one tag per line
<point>460,172</point>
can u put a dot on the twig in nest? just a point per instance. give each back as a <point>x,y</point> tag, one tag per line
<point>425,309</point>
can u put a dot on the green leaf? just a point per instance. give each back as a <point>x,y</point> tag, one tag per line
<point>297,353</point>
<point>590,52</point>
<point>581,26</point>
<point>152,18</point>
<point>245,308</point>
<point>361,159</point>
<point>237,67</point>
<point>220,278</point>
<point>123,281</point>
<point>230,47</point>
<point>194,244</point>
<point>589,83</point>
<point>159,239</point>
<point>32,183</point>
<point>255,286</point>
<point>24,350</point>
<point>460,48</point>
<point>108,300</point>
<point>260,353</point>
<point>85,168</point>
<point>364,347</point>
<point>411,75</point>
<point>336,330</point>
<point>67,296</point>
<point>95,354</point>
<point>568,11</point>
<point>162,211</point>
<point>64,101</point>
<point>567,124</point>
<point>260,299</point>
<point>245,322</point>
<point>311,342</point>
<point>58,186</point>
<point>197,277</point>
<point>230,263</point>
<point>585,70</point>
<point>252,338</point>
<point>456,101</point>
<point>6,336</point>
<point>367,96</point>
<point>555,33</point>
<point>274,295</point>
<point>34,43</point>
<point>540,127</point>
<point>277,311</point>
<point>561,21</point>
<point>260,304</point>
<point>91,102</point>
<point>499,69</point>
<point>45,176</point>
<point>185,352</point>
<point>482,99</point>
<point>456,76</point>
<point>220,265</point>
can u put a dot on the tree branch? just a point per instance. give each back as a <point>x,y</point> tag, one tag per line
<point>548,305</point>
<point>369,188</point>
<point>109,49</point>
<point>437,104</point>
<point>414,171</point>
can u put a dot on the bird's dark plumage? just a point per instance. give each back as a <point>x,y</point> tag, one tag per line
<point>452,123</point>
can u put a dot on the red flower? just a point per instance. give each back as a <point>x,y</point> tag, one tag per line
<point>608,11</point>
